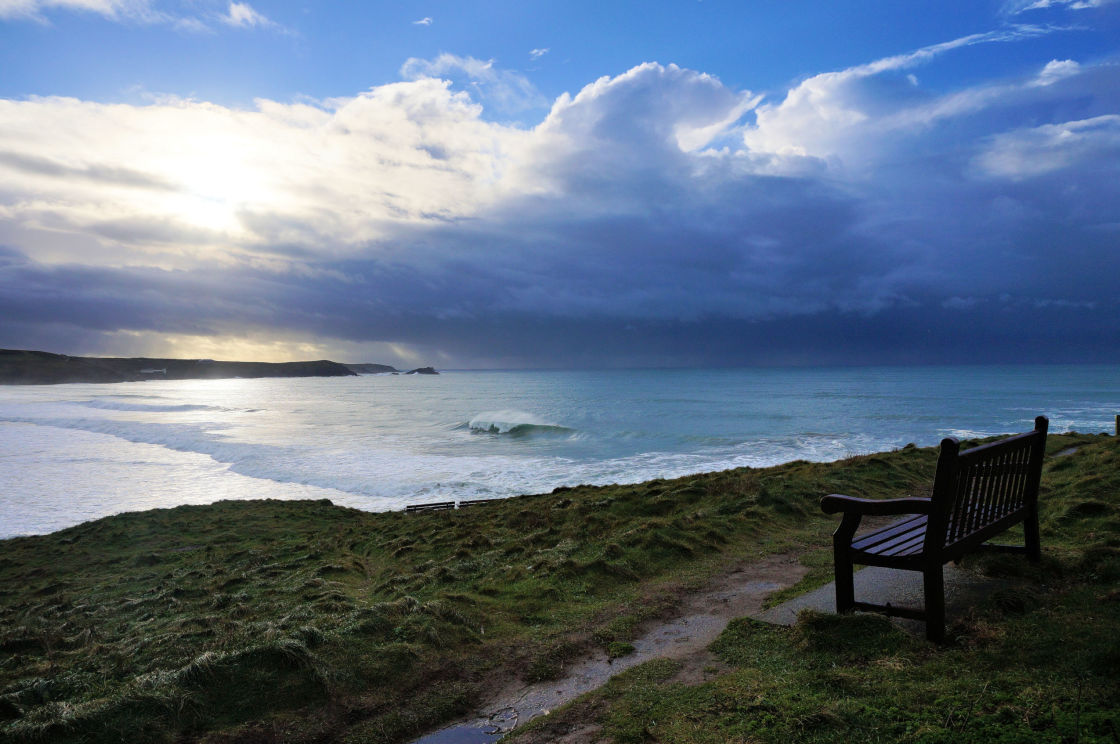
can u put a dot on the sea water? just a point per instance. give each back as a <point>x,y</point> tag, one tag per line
<point>70,453</point>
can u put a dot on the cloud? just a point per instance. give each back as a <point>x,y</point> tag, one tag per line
<point>538,53</point>
<point>242,15</point>
<point>106,175</point>
<point>1028,153</point>
<point>1055,70</point>
<point>657,216</point>
<point>425,21</point>
<point>831,114</point>
<point>1016,7</point>
<point>117,10</point>
<point>143,12</point>
<point>508,91</point>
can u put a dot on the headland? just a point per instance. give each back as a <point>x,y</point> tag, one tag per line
<point>24,367</point>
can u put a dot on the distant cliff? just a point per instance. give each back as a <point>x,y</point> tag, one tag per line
<point>367,368</point>
<point>19,367</point>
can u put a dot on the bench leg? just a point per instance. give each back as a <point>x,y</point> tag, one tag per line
<point>1032,541</point>
<point>842,562</point>
<point>933,582</point>
<point>845,581</point>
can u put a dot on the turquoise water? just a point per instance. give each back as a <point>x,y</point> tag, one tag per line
<point>69,453</point>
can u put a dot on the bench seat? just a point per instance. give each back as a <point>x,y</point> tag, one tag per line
<point>903,539</point>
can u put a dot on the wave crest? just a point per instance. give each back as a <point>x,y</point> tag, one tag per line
<point>513,423</point>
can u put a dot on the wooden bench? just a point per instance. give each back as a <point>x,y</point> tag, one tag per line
<point>475,502</point>
<point>434,506</point>
<point>977,494</point>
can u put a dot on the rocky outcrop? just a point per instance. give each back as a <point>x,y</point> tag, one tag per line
<point>422,371</point>
<point>20,367</point>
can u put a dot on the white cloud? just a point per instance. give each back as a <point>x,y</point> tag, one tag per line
<point>236,180</point>
<point>18,8</point>
<point>928,53</point>
<point>1055,70</point>
<point>669,109</point>
<point>425,21</point>
<point>1016,7</point>
<point>243,15</point>
<point>237,15</point>
<point>538,53</point>
<point>843,117</point>
<point>508,91</point>
<point>1027,153</point>
<point>117,10</point>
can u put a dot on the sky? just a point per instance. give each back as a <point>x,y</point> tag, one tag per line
<point>520,183</point>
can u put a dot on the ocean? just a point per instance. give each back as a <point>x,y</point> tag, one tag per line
<point>71,453</point>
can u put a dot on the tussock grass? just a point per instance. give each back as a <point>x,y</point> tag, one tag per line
<point>1037,661</point>
<point>303,621</point>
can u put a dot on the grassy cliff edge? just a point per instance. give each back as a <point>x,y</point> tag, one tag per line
<point>303,621</point>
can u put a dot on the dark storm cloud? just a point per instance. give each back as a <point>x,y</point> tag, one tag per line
<point>655,218</point>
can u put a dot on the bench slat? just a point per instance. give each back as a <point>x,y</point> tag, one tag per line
<point>891,545</point>
<point>915,549</point>
<point>903,545</point>
<point>917,520</point>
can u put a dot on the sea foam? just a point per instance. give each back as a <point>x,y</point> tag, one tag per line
<point>112,405</point>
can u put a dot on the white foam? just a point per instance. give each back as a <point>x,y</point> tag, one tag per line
<point>111,405</point>
<point>971,433</point>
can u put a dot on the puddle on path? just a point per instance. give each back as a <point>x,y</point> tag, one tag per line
<point>702,618</point>
<point>463,734</point>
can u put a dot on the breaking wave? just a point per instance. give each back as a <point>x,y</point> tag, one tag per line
<point>514,423</point>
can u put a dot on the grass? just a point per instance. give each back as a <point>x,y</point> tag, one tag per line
<point>306,622</point>
<point>1038,661</point>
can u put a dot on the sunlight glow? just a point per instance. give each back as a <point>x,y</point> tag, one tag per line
<point>218,179</point>
<point>229,348</point>
<point>212,214</point>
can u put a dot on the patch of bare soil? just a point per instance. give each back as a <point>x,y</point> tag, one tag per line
<point>685,636</point>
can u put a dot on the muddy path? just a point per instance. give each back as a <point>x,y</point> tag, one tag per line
<point>685,636</point>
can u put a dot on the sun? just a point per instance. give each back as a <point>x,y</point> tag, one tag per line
<point>216,215</point>
<point>215,179</point>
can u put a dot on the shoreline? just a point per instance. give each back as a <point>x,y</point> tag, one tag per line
<point>376,444</point>
<point>470,499</point>
<point>458,503</point>
<point>314,621</point>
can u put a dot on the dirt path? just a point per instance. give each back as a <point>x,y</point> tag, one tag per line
<point>699,621</point>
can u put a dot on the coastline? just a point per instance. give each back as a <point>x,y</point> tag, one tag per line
<point>23,367</point>
<point>28,367</point>
<point>311,619</point>
<point>382,442</point>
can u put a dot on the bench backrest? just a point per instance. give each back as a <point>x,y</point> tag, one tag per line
<point>984,490</point>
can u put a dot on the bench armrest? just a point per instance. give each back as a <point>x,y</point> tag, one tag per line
<point>875,507</point>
